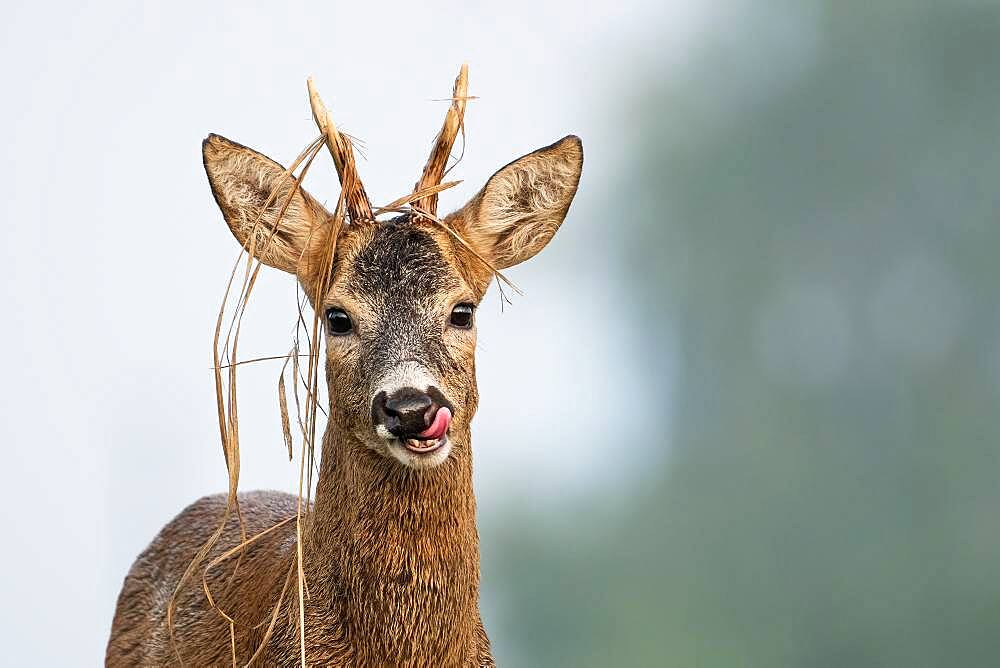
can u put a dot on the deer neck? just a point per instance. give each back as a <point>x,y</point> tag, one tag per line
<point>397,550</point>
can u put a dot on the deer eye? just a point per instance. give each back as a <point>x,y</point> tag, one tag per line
<point>461,316</point>
<point>338,322</point>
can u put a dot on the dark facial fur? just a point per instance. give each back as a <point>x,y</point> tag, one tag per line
<point>399,281</point>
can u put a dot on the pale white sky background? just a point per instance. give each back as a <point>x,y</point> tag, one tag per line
<point>114,255</point>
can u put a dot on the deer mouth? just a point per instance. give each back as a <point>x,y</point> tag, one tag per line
<point>432,438</point>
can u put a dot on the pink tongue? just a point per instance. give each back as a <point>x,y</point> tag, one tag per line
<point>440,425</point>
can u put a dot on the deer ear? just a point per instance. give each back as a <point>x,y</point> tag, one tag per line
<point>522,205</point>
<point>243,181</point>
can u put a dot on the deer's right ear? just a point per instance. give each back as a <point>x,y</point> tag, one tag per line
<point>243,182</point>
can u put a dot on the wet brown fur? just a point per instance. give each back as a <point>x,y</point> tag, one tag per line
<point>391,554</point>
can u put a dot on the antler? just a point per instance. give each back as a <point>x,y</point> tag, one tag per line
<point>342,151</point>
<point>453,122</point>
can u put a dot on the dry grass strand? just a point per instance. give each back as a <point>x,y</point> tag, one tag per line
<point>342,151</point>
<point>454,122</point>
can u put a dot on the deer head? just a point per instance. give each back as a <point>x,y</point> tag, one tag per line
<point>399,298</point>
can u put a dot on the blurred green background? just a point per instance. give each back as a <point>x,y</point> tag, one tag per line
<point>809,247</point>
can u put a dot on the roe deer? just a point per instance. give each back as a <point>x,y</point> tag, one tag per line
<point>391,548</point>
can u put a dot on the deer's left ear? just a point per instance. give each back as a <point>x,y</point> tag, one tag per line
<point>522,205</point>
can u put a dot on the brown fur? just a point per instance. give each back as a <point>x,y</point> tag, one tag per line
<point>391,553</point>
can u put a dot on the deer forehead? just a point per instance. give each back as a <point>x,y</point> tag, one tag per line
<point>400,264</point>
<point>396,268</point>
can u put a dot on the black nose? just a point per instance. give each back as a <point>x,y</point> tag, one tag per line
<point>405,413</point>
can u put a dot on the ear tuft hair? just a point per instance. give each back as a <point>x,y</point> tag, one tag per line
<point>251,189</point>
<point>523,205</point>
